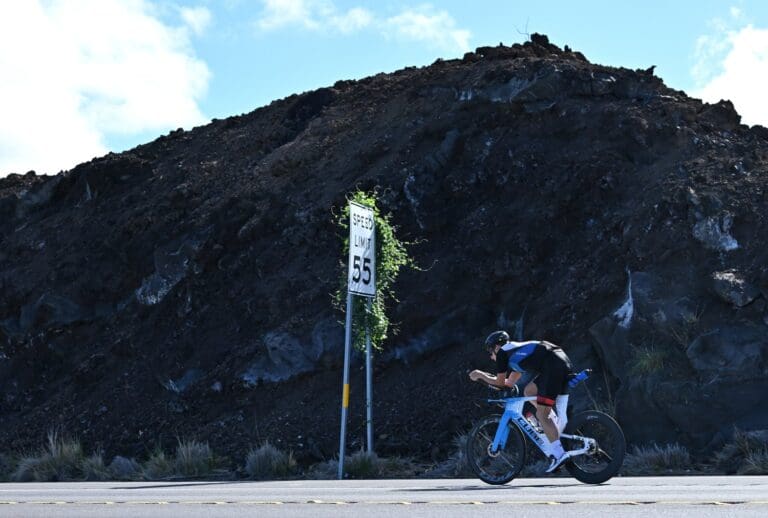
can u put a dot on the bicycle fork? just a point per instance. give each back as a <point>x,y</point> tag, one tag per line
<point>502,433</point>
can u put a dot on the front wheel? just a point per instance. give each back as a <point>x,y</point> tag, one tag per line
<point>494,467</point>
<point>605,459</point>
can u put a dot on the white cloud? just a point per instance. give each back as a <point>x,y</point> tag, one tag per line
<point>732,63</point>
<point>197,18</point>
<point>352,21</point>
<point>281,13</point>
<point>74,71</point>
<point>436,29</point>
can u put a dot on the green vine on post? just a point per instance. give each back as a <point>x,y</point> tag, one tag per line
<point>391,256</point>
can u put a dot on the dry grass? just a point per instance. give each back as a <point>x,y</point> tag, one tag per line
<point>93,467</point>
<point>458,465</point>
<point>193,459</point>
<point>607,404</point>
<point>647,360</point>
<point>657,459</point>
<point>157,466</point>
<point>267,462</point>
<point>755,463</point>
<point>362,464</point>
<point>326,470</point>
<point>684,332</point>
<point>6,467</point>
<point>61,459</point>
<point>399,467</point>
<point>534,468</point>
<point>746,454</point>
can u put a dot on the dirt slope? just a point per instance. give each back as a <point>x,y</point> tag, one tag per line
<point>183,288</point>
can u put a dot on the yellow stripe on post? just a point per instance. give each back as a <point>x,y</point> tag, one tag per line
<point>345,396</point>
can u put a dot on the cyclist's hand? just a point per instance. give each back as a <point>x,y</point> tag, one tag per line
<point>474,375</point>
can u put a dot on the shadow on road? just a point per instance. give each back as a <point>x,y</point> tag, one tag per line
<point>485,488</point>
<point>177,484</point>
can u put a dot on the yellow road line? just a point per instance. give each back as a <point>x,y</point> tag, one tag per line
<point>389,502</point>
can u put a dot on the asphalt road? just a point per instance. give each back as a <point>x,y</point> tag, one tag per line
<point>702,497</point>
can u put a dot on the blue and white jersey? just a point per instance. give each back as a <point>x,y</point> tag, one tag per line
<point>513,356</point>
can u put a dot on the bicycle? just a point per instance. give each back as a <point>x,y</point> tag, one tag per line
<point>593,441</point>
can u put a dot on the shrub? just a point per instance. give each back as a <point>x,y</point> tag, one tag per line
<point>656,459</point>
<point>755,463</point>
<point>459,467</point>
<point>745,454</point>
<point>455,466</point>
<point>687,328</point>
<point>326,470</point>
<point>398,467</point>
<point>93,467</point>
<point>362,464</point>
<point>193,459</point>
<point>158,466</point>
<point>6,467</point>
<point>536,462</point>
<point>268,462</point>
<point>534,468</point>
<point>122,468</point>
<point>60,460</point>
<point>647,360</point>
<point>391,257</point>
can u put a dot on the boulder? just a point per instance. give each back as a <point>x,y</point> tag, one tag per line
<point>613,347</point>
<point>172,261</point>
<point>733,288</point>
<point>123,468</point>
<point>284,355</point>
<point>730,351</point>
<point>714,233</point>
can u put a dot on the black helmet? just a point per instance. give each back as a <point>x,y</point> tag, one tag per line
<point>496,338</point>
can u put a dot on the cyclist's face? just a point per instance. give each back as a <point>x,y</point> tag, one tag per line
<point>493,352</point>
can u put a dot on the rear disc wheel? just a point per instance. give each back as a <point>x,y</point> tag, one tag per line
<point>605,459</point>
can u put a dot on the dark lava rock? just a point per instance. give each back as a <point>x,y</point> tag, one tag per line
<point>185,286</point>
<point>734,289</point>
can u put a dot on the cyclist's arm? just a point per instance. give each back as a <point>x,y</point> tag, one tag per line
<point>513,378</point>
<point>490,379</point>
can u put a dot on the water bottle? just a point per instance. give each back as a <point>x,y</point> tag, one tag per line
<point>579,378</point>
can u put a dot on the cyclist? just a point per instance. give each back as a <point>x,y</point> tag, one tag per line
<point>551,369</point>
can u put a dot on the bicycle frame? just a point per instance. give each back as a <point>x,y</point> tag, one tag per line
<point>513,408</point>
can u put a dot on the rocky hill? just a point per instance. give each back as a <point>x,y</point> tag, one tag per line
<point>184,288</point>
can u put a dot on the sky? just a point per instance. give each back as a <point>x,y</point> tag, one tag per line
<point>81,78</point>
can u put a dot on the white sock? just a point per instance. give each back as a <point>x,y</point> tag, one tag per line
<point>561,406</point>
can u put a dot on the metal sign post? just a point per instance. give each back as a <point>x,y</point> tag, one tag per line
<point>361,281</point>
<point>368,384</point>
<point>345,389</point>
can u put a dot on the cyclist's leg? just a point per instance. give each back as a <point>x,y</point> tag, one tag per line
<point>561,402</point>
<point>545,400</point>
<point>529,407</point>
<point>551,382</point>
<point>561,409</point>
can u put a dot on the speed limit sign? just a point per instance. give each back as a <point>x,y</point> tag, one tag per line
<point>362,251</point>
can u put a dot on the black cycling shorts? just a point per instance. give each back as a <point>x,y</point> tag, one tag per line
<point>553,378</point>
